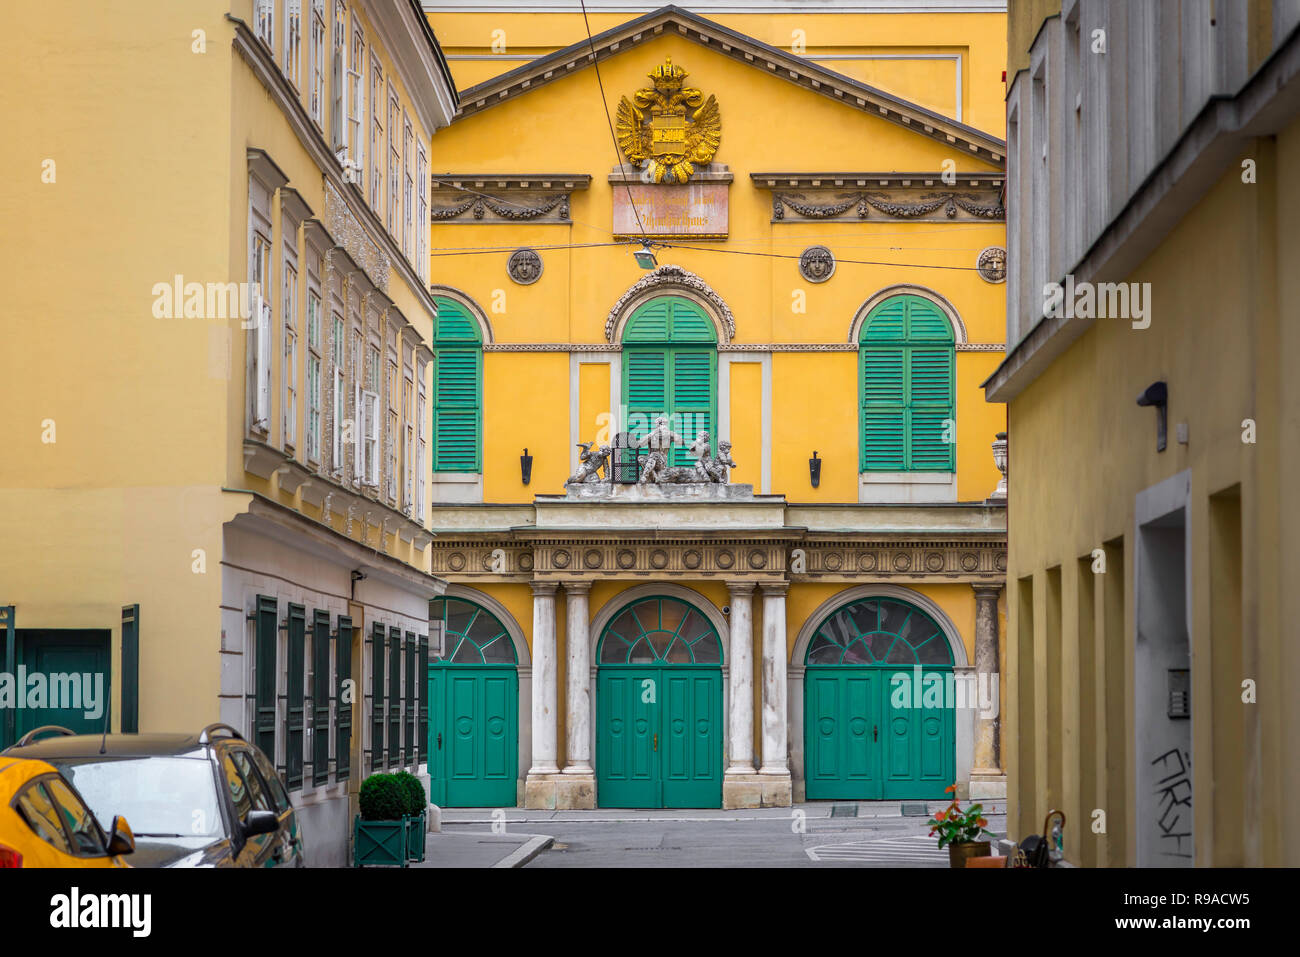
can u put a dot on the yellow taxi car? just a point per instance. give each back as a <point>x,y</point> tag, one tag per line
<point>45,823</point>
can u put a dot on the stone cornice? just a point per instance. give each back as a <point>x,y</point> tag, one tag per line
<point>504,198</point>
<point>918,197</point>
<point>674,21</point>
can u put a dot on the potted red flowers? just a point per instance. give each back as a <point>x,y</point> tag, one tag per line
<point>959,831</point>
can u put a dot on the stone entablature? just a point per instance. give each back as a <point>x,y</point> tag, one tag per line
<point>730,541</point>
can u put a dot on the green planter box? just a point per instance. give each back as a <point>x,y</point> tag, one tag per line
<point>380,843</point>
<point>415,829</point>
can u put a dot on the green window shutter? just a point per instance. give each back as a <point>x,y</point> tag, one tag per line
<point>320,697</point>
<point>906,361</point>
<point>394,697</point>
<point>457,389</point>
<point>408,701</point>
<point>422,676</point>
<point>930,379</point>
<point>343,675</point>
<point>264,650</point>
<point>294,713</point>
<point>377,697</point>
<point>130,669</point>
<point>457,415</point>
<point>644,385</point>
<point>693,388</point>
<point>884,398</point>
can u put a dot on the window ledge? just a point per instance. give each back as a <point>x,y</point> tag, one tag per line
<point>907,487</point>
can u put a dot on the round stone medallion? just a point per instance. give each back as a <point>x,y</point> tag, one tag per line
<point>526,561</point>
<point>1000,563</point>
<point>524,266</point>
<point>969,561</point>
<point>902,561</point>
<point>867,562</point>
<point>659,558</point>
<point>626,558</point>
<point>934,562</point>
<point>692,558</point>
<point>757,558</point>
<point>726,559</point>
<point>592,558</point>
<point>992,264</point>
<point>833,561</point>
<point>560,558</point>
<point>456,561</point>
<point>817,264</point>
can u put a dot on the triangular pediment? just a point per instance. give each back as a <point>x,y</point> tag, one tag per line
<point>674,21</point>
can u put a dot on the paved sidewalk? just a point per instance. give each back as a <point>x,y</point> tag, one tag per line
<point>474,848</point>
<point>844,812</point>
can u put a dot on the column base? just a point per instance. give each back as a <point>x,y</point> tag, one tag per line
<point>560,791</point>
<point>756,790</point>
<point>986,785</point>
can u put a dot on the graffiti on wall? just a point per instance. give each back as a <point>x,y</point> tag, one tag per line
<point>1174,796</point>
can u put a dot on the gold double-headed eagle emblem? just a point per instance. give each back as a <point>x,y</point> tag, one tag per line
<point>666,129</point>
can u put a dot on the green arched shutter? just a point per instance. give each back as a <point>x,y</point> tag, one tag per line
<point>906,363</point>
<point>670,368</point>
<point>457,390</point>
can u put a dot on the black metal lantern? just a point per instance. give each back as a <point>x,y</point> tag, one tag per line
<point>526,467</point>
<point>815,470</point>
<point>1157,394</point>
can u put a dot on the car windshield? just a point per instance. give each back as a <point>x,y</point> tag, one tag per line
<point>159,797</point>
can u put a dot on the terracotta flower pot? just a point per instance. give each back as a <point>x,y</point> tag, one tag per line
<point>958,854</point>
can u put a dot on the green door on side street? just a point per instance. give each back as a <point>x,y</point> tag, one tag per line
<point>75,672</point>
<point>659,708</point>
<point>878,708</point>
<point>473,710</point>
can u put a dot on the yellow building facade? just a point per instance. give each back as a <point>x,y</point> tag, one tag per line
<point>1153,431</point>
<point>826,296</point>
<point>215,459</point>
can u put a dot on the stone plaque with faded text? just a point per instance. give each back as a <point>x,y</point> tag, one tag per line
<point>698,210</point>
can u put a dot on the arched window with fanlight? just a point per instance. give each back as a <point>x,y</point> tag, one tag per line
<point>879,631</point>
<point>906,359</point>
<point>660,631</point>
<point>472,635</point>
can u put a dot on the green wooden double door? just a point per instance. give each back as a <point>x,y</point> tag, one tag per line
<point>659,736</point>
<point>75,686</point>
<point>859,745</point>
<point>473,735</point>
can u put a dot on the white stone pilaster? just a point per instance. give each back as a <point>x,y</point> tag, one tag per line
<point>776,758</point>
<point>545,696</point>
<point>578,712</point>
<point>740,663</point>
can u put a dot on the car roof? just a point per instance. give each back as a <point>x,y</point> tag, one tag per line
<point>67,747</point>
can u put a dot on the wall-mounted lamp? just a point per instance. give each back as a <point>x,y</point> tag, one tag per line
<point>815,470</point>
<point>645,257</point>
<point>1157,394</point>
<point>526,467</point>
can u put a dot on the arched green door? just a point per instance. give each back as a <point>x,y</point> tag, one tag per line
<point>473,710</point>
<point>878,704</point>
<point>659,708</point>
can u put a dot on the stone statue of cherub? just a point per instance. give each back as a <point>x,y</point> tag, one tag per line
<point>589,463</point>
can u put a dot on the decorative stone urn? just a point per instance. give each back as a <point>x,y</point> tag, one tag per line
<point>1000,460</point>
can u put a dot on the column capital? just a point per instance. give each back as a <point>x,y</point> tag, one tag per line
<point>542,589</point>
<point>740,587</point>
<point>577,587</point>
<point>986,591</point>
<point>775,589</point>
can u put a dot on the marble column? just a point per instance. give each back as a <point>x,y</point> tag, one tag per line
<point>740,662</point>
<point>577,715</point>
<point>545,697</point>
<point>988,780</point>
<point>776,756</point>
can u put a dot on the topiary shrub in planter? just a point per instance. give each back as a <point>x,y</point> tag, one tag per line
<point>380,831</point>
<point>416,807</point>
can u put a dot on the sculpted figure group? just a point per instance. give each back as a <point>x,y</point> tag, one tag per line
<point>659,441</point>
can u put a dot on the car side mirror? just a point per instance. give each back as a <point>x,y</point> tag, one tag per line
<point>260,822</point>
<point>122,841</point>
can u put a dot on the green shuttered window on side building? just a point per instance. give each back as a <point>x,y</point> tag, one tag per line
<point>457,389</point>
<point>905,387</point>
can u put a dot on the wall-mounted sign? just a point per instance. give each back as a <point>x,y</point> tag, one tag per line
<point>698,210</point>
